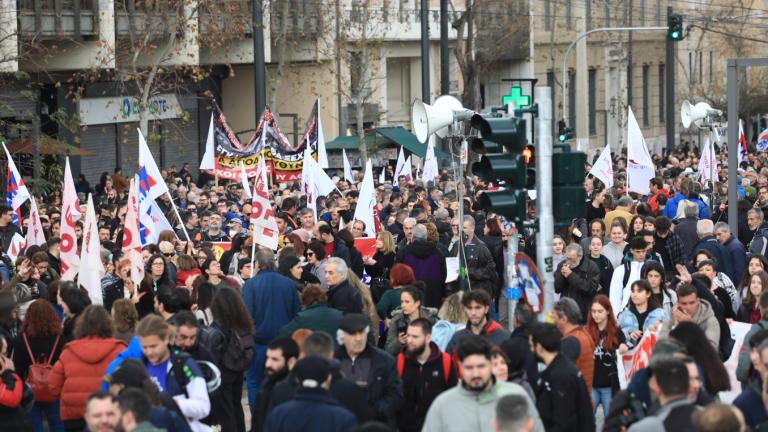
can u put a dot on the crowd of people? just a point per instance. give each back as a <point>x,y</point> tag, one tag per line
<point>323,338</point>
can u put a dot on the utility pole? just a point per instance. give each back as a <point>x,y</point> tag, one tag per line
<point>445,79</point>
<point>543,96</point>
<point>425,51</point>
<point>338,65</point>
<point>669,66</point>
<point>259,70</point>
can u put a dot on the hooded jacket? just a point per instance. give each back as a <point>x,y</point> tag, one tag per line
<point>78,372</point>
<point>428,266</point>
<point>460,409</point>
<point>422,383</point>
<point>481,268</point>
<point>345,298</point>
<point>705,318</point>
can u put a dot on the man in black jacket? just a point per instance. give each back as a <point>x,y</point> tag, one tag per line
<point>341,294</point>
<point>561,398</point>
<point>426,372</point>
<point>334,247</point>
<point>577,278</point>
<point>346,393</point>
<point>370,368</point>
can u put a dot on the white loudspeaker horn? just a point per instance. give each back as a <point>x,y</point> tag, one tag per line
<point>696,113</point>
<point>428,119</point>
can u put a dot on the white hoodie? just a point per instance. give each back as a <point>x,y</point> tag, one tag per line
<point>619,294</point>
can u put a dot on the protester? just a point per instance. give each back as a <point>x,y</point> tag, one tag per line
<point>411,310</point>
<point>669,382</point>
<point>643,312</point>
<point>608,337</point>
<point>578,346</point>
<point>577,278</point>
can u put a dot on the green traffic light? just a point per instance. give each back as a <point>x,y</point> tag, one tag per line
<point>675,35</point>
<point>561,137</point>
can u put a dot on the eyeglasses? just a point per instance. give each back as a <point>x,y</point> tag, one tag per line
<point>309,254</point>
<point>169,254</point>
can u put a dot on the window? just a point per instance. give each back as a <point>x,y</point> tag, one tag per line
<point>662,89</point>
<point>646,110</point>
<point>592,91</point>
<point>547,15</point>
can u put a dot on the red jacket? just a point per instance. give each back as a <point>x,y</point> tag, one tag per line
<point>79,370</point>
<point>654,200</point>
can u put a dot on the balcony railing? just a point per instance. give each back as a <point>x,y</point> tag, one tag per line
<point>58,18</point>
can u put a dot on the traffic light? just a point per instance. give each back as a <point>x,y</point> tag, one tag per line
<point>569,196</point>
<point>675,28</point>
<point>564,133</point>
<point>509,168</point>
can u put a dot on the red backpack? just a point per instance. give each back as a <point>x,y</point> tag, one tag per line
<point>446,365</point>
<point>38,374</point>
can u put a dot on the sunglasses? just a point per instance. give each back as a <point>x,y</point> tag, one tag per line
<point>309,254</point>
<point>169,254</point>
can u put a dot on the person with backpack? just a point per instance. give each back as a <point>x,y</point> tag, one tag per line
<point>426,372</point>
<point>36,350</point>
<point>175,372</point>
<point>626,274</point>
<point>231,344</point>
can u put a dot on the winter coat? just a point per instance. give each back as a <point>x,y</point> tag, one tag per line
<point>562,398</point>
<point>340,250</point>
<point>745,364</point>
<point>493,332</point>
<point>480,266</point>
<point>272,301</point>
<point>318,270</point>
<point>705,318</point>
<point>14,396</point>
<point>620,292</point>
<point>400,322</point>
<point>112,293</point>
<point>723,259</point>
<point>310,410</point>
<point>496,247</point>
<point>735,249</point>
<point>428,266</point>
<point>606,272</point>
<point>41,347</point>
<point>385,389</point>
<point>345,298</point>
<point>318,317</point>
<point>422,383</point>
<point>461,410</point>
<point>443,331</point>
<point>78,372</point>
<point>581,285</point>
<point>629,323</point>
<point>686,230</point>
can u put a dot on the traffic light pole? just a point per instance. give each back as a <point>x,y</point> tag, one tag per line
<point>563,81</point>
<point>544,214</point>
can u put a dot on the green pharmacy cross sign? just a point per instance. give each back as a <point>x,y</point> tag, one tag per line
<point>516,97</point>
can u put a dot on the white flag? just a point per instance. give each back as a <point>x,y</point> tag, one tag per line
<point>603,167</point>
<point>431,171</point>
<point>399,166</point>
<point>92,269</point>
<point>707,169</point>
<point>640,168</point>
<point>17,192</point>
<point>35,231</point>
<point>265,231</point>
<point>244,180</point>
<point>16,246</point>
<point>70,213</point>
<point>209,158</point>
<point>322,155</point>
<point>347,167</point>
<point>366,202</point>
<point>383,175</point>
<point>407,170</point>
<point>131,238</point>
<point>307,182</point>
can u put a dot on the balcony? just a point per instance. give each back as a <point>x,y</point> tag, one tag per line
<point>53,19</point>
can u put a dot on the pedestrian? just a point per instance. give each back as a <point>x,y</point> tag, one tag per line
<point>428,265</point>
<point>341,294</point>
<point>577,278</point>
<point>749,312</point>
<point>642,313</point>
<point>669,382</point>
<point>411,309</point>
<point>477,305</point>
<point>578,346</point>
<point>316,314</point>
<point>282,355</point>
<point>608,338</point>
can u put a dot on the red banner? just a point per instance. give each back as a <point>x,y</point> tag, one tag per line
<point>366,246</point>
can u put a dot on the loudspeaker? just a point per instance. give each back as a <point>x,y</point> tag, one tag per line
<point>428,119</point>
<point>696,113</point>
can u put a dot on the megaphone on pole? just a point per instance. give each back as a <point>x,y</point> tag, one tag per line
<point>428,119</point>
<point>696,113</point>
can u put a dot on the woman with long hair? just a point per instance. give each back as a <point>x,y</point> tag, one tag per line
<point>155,280</point>
<point>230,317</point>
<point>123,288</point>
<point>755,263</point>
<point>316,261</point>
<point>202,295</point>
<point>605,333</point>
<point>451,318</point>
<point>82,364</point>
<point>643,311</point>
<point>186,267</point>
<point>73,301</point>
<point>719,280</point>
<point>636,225</point>
<point>400,275</point>
<point>653,272</point>
<point>558,250</point>
<point>707,276</point>
<point>39,341</point>
<point>697,346</point>
<point>749,311</point>
<point>378,265</point>
<point>124,319</point>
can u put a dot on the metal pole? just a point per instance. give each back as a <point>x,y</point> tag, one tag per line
<point>445,79</point>
<point>582,36</point>
<point>338,65</point>
<point>425,51</point>
<point>670,100</point>
<point>259,71</point>
<point>543,97</point>
<point>514,289</point>
<point>733,145</point>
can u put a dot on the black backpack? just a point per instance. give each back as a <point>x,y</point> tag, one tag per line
<point>239,351</point>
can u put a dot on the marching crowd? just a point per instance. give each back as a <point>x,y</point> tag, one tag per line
<point>323,338</point>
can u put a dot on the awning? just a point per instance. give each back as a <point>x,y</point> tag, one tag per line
<point>350,142</point>
<point>401,136</point>
<point>51,146</point>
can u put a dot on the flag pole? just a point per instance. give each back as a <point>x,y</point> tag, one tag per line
<point>176,210</point>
